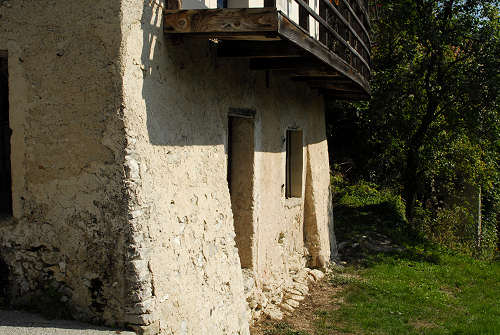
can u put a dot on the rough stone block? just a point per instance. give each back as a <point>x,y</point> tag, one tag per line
<point>317,274</point>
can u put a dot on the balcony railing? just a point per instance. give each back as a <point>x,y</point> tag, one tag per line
<point>327,45</point>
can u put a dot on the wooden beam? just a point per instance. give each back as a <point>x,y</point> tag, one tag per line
<point>267,36</point>
<point>341,87</point>
<point>214,21</point>
<point>297,52</point>
<point>327,78</point>
<point>329,72</point>
<point>292,63</point>
<point>336,95</point>
<point>258,49</point>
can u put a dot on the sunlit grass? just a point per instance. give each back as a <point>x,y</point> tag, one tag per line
<point>397,295</point>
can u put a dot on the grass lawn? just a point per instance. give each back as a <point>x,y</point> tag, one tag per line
<point>404,295</point>
<point>421,290</point>
<point>393,294</point>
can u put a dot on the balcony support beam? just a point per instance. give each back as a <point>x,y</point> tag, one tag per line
<point>334,86</point>
<point>295,34</point>
<point>339,95</point>
<point>221,21</point>
<point>272,42</point>
<point>258,49</point>
<point>289,64</point>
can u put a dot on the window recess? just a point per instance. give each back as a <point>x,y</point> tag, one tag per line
<point>294,163</point>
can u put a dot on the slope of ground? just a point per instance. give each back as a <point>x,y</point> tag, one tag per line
<point>393,284</point>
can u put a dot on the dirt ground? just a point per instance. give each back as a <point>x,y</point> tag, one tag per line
<point>321,297</point>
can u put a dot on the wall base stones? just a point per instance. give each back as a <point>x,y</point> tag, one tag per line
<point>276,306</point>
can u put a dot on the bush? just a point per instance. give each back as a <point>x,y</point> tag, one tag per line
<point>453,227</point>
<point>370,197</point>
<point>456,228</point>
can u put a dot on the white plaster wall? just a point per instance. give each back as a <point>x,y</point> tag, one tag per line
<point>192,279</point>
<point>177,96</point>
<point>313,24</point>
<point>68,232</point>
<point>280,221</point>
<point>290,8</point>
<point>119,158</point>
<point>199,4</point>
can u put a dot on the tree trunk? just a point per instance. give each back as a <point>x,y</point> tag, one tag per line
<point>410,183</point>
<point>479,221</point>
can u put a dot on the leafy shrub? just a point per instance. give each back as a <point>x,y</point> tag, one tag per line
<point>456,228</point>
<point>454,225</point>
<point>388,206</point>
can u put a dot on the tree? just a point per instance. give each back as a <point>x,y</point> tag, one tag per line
<point>431,131</point>
<point>435,82</point>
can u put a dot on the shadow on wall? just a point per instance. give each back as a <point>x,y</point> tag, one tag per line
<point>186,90</point>
<point>178,83</point>
<point>185,87</point>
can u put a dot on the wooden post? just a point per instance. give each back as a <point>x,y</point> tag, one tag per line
<point>270,3</point>
<point>479,221</point>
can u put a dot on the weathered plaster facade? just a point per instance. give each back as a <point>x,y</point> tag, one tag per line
<point>67,236</point>
<point>121,205</point>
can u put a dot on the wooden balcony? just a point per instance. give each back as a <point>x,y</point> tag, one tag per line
<point>328,47</point>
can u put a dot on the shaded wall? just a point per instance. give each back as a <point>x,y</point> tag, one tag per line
<point>240,152</point>
<point>66,239</point>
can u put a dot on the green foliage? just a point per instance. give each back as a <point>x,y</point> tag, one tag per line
<point>431,130</point>
<point>354,204</point>
<point>454,228</point>
<point>365,204</point>
<point>365,193</point>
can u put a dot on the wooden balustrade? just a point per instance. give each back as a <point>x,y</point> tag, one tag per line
<point>342,29</point>
<point>332,54</point>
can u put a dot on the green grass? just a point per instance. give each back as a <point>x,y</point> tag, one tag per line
<point>282,328</point>
<point>425,289</point>
<point>405,294</point>
<point>398,295</point>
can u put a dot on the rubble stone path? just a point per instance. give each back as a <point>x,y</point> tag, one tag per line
<point>22,323</point>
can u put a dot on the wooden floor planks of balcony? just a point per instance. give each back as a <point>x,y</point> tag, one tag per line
<point>272,42</point>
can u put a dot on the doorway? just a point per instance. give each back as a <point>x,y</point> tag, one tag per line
<point>5,134</point>
<point>240,178</point>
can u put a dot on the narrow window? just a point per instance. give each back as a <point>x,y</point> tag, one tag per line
<point>240,180</point>
<point>5,132</point>
<point>294,163</point>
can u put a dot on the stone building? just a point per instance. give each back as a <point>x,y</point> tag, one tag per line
<point>167,169</point>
